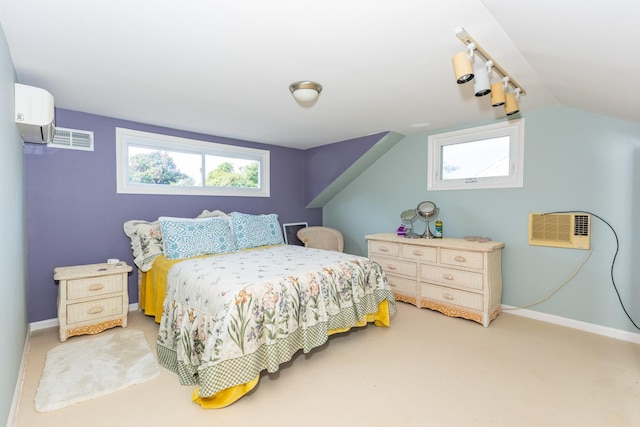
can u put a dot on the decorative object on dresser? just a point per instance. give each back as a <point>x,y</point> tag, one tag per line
<point>427,211</point>
<point>457,277</point>
<point>408,217</point>
<point>91,298</point>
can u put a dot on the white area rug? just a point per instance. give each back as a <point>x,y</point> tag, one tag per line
<point>78,371</point>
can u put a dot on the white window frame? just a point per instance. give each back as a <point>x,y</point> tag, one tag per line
<point>126,137</point>
<point>514,129</point>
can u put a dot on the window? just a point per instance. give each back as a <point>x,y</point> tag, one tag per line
<point>149,163</point>
<point>489,156</point>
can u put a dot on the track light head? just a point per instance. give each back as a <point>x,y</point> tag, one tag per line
<point>481,84</point>
<point>462,67</point>
<point>511,106</point>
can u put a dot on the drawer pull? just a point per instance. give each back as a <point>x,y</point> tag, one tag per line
<point>392,284</point>
<point>96,287</point>
<point>95,310</point>
<point>460,258</point>
<point>384,249</point>
<point>391,267</point>
<point>447,276</point>
<point>448,297</point>
<point>417,252</point>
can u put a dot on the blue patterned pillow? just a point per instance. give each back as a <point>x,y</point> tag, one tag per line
<point>251,231</point>
<point>187,237</point>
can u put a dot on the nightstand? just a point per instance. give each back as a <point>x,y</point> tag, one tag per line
<point>91,298</point>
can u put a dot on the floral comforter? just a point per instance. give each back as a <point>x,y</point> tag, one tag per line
<point>228,317</point>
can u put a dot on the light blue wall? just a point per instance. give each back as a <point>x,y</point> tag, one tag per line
<point>13,317</point>
<point>574,160</point>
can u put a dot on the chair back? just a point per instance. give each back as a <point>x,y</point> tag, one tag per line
<point>320,237</point>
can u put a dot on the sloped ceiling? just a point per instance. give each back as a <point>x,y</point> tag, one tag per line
<point>224,67</point>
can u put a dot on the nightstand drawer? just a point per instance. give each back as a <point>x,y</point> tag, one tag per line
<point>452,296</point>
<point>462,258</point>
<point>93,286</point>
<point>451,277</point>
<point>97,309</point>
<point>395,266</point>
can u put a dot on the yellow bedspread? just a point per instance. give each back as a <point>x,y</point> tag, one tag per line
<point>153,286</point>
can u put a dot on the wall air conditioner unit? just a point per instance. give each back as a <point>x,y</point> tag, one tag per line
<point>34,114</point>
<point>561,230</point>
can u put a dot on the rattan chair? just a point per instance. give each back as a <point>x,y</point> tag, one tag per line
<point>321,238</point>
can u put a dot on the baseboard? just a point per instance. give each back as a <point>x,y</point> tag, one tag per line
<point>53,323</point>
<point>574,324</point>
<point>15,403</point>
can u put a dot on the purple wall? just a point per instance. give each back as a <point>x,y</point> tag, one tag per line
<point>74,215</point>
<point>328,162</point>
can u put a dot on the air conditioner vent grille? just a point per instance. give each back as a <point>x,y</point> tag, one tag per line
<point>581,225</point>
<point>72,139</point>
<point>560,230</point>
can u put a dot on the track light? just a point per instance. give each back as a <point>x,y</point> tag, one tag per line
<point>481,85</point>
<point>497,92</point>
<point>462,66</point>
<point>511,106</point>
<point>504,92</point>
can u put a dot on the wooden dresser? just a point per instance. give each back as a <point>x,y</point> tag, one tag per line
<point>91,298</point>
<point>454,276</point>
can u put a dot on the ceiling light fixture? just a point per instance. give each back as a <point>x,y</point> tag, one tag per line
<point>305,91</point>
<point>481,85</point>
<point>499,90</point>
<point>462,66</point>
<point>511,106</point>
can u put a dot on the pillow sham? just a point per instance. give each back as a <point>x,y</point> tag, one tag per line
<point>215,214</point>
<point>187,237</point>
<point>251,231</point>
<point>146,242</point>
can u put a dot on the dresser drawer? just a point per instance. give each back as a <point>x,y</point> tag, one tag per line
<point>462,258</point>
<point>452,296</point>
<point>94,286</point>
<point>396,266</point>
<point>451,277</point>
<point>402,285</point>
<point>384,248</point>
<point>90,310</point>
<point>419,253</point>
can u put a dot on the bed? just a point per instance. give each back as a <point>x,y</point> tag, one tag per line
<point>229,314</point>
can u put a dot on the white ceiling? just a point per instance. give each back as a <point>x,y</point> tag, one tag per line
<point>224,67</point>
